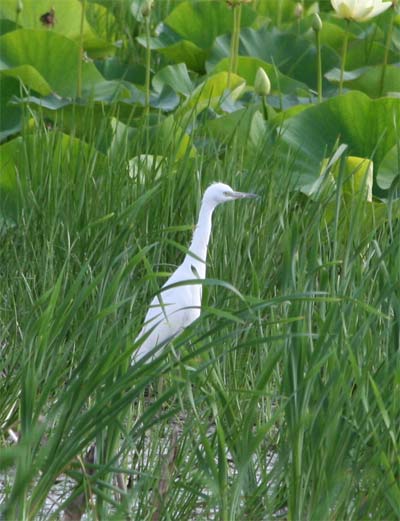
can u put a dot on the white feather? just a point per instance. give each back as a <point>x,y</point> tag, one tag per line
<point>175,308</point>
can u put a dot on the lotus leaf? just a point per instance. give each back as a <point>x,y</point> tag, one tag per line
<point>67,21</point>
<point>293,55</point>
<point>368,127</point>
<point>182,37</point>
<point>247,69</point>
<point>47,62</point>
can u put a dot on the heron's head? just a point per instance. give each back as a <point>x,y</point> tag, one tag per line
<point>218,193</point>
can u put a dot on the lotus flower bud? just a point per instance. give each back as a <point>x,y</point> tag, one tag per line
<point>316,23</point>
<point>147,7</point>
<point>298,10</point>
<point>262,84</point>
<point>234,3</point>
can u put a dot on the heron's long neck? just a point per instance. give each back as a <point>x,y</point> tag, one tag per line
<point>201,237</point>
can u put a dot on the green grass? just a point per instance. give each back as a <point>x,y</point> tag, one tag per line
<point>284,400</point>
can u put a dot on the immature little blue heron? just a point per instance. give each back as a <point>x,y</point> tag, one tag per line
<point>175,308</point>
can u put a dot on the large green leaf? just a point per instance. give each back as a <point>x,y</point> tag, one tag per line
<point>368,127</point>
<point>357,209</point>
<point>165,138</point>
<point>389,168</point>
<point>374,81</point>
<point>201,22</point>
<point>113,69</point>
<point>246,127</point>
<point>48,62</point>
<point>356,179</point>
<point>332,34</point>
<point>176,76</point>
<point>293,55</point>
<point>9,152</point>
<point>6,26</point>
<point>170,45</point>
<point>75,117</point>
<point>183,38</point>
<point>247,69</point>
<point>67,21</point>
<point>361,53</point>
<point>362,50</point>
<point>278,11</point>
<point>10,121</point>
<point>102,21</point>
<point>212,93</point>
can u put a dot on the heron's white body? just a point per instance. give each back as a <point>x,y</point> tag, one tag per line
<point>176,307</point>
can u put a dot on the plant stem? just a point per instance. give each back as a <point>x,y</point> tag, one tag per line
<point>319,66</point>
<point>237,12</point>
<point>18,10</point>
<point>279,15</point>
<point>231,53</point>
<point>148,65</point>
<point>385,56</point>
<point>344,55</point>
<point>265,107</point>
<point>80,53</point>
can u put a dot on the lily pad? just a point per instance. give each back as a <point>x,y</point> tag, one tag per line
<point>176,77</point>
<point>186,52</point>
<point>201,22</point>
<point>368,127</point>
<point>278,11</point>
<point>212,93</point>
<point>165,138</point>
<point>361,54</point>
<point>7,26</point>
<point>356,179</point>
<point>145,167</point>
<point>8,181</point>
<point>72,116</point>
<point>359,214</point>
<point>247,126</point>
<point>247,69</point>
<point>114,69</point>
<point>389,168</point>
<point>166,99</point>
<point>47,62</point>
<point>66,21</point>
<point>182,36</point>
<point>11,115</point>
<point>293,55</point>
<point>362,50</point>
<point>374,81</point>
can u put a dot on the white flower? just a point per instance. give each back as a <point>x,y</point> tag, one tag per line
<point>262,84</point>
<point>359,10</point>
<point>316,23</point>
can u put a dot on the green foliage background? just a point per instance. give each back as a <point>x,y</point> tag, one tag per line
<point>283,399</point>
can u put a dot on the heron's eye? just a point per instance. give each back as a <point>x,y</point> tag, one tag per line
<point>228,194</point>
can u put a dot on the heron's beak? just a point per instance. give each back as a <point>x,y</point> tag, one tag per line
<point>243,195</point>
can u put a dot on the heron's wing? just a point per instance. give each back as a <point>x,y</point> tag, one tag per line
<point>170,312</point>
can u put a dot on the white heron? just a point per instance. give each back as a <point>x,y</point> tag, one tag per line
<point>175,307</point>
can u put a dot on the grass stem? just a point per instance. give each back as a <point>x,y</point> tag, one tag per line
<point>237,20</point>
<point>235,39</point>
<point>147,65</point>
<point>344,56</point>
<point>319,65</point>
<point>81,51</point>
<point>386,54</point>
